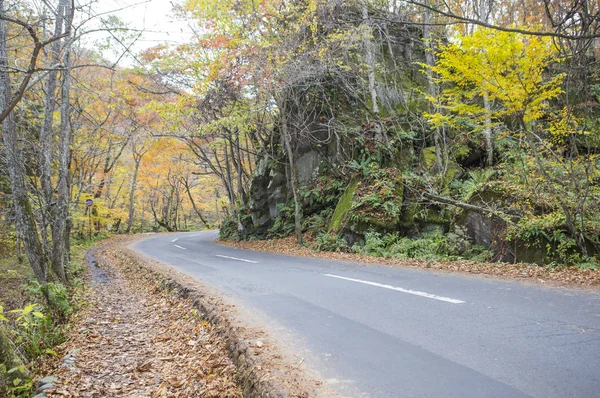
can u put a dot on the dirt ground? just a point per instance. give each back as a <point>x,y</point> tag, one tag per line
<point>552,276</point>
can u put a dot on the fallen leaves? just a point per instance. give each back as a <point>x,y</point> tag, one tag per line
<point>139,340</point>
<point>562,276</point>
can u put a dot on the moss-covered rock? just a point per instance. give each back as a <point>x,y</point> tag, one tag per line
<point>343,207</point>
<point>453,169</point>
<point>429,157</point>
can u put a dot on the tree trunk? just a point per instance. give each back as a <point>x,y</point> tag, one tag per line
<point>18,252</point>
<point>60,228</point>
<point>217,207</point>
<point>187,187</point>
<point>239,165</point>
<point>287,141</point>
<point>25,218</point>
<point>483,10</point>
<point>467,206</point>
<point>109,164</point>
<point>430,61</point>
<point>132,195</point>
<point>369,52</point>
<point>489,141</point>
<point>46,133</point>
<point>229,182</point>
<point>143,220</point>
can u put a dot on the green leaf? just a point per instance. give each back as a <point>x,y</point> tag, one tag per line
<point>38,314</point>
<point>3,318</point>
<point>28,309</point>
<point>50,352</point>
<point>20,368</point>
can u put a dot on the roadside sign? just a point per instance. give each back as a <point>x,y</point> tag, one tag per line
<point>89,202</point>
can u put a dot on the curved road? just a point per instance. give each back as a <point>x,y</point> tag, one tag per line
<point>388,332</point>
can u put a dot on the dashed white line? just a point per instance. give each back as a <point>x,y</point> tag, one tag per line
<point>238,259</point>
<point>180,247</point>
<point>174,240</point>
<point>399,289</point>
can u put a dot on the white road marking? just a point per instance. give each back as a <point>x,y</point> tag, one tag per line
<point>193,236</point>
<point>175,240</point>
<point>238,259</point>
<point>399,289</point>
<point>180,247</point>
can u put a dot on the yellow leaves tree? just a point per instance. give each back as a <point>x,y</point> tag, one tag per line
<point>513,72</point>
<point>510,69</point>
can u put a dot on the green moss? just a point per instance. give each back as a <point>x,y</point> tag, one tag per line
<point>343,207</point>
<point>453,171</point>
<point>429,157</point>
<point>399,190</point>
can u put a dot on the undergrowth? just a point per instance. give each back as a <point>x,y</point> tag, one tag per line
<point>434,246</point>
<point>30,332</point>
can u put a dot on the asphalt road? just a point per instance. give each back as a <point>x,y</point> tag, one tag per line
<point>388,332</point>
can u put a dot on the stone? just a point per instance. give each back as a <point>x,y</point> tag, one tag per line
<point>479,228</point>
<point>276,198</point>
<point>46,380</point>
<point>276,179</point>
<point>308,166</point>
<point>430,228</point>
<point>45,387</point>
<point>429,157</point>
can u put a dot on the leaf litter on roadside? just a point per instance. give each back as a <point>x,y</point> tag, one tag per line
<point>561,276</point>
<point>138,340</point>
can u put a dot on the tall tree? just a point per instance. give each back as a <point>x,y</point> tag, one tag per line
<point>22,206</point>
<point>138,150</point>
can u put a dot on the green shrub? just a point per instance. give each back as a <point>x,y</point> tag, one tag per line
<point>330,242</point>
<point>284,223</point>
<point>30,334</point>
<point>228,230</point>
<point>433,246</point>
<point>35,333</point>
<point>57,296</point>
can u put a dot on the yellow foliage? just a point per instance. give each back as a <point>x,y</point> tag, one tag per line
<point>564,125</point>
<point>509,68</point>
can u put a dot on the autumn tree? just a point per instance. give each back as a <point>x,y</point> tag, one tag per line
<point>55,209</point>
<point>512,71</point>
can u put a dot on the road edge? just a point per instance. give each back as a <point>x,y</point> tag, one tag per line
<point>261,370</point>
<point>526,274</point>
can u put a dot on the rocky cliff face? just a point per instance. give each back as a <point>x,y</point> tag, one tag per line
<point>269,188</point>
<point>356,176</point>
<point>378,200</point>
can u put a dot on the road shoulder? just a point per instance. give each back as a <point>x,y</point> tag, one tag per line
<point>568,277</point>
<point>136,338</point>
<point>264,370</point>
